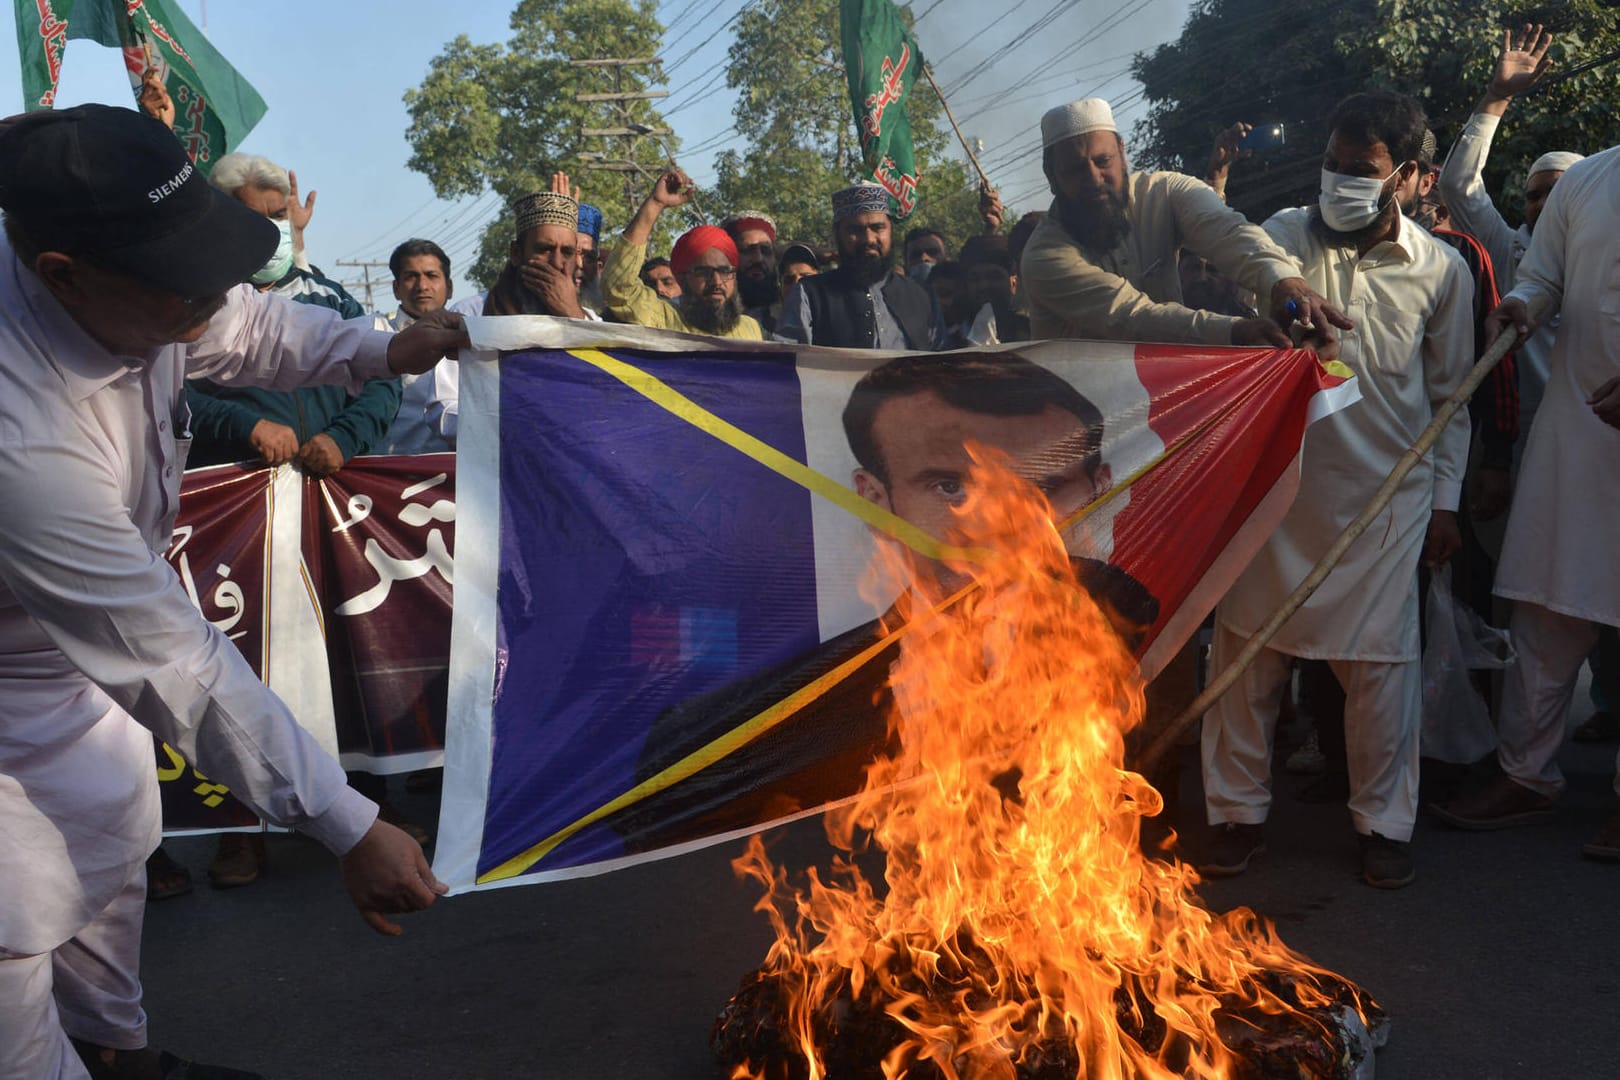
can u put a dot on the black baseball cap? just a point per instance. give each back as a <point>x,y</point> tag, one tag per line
<point>116,187</point>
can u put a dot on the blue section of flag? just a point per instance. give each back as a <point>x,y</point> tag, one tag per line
<point>643,562</point>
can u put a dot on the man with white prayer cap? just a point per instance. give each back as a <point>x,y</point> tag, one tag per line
<point>1519,66</point>
<point>863,304</point>
<point>1558,562</point>
<point>1104,263</point>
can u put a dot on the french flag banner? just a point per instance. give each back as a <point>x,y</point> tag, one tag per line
<point>666,629</point>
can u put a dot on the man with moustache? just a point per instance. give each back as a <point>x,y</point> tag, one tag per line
<point>657,276</point>
<point>863,304</point>
<point>121,273</point>
<point>1412,346</point>
<point>754,233</point>
<point>1104,263</point>
<point>541,261</point>
<point>704,260</point>
<point>430,407</point>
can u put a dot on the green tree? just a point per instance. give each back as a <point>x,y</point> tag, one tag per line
<point>503,118</point>
<point>793,114</point>
<point>1307,58</point>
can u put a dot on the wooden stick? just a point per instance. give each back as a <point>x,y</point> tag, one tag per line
<point>1172,733</point>
<point>984,181</point>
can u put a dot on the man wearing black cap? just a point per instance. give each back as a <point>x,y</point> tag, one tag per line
<point>117,253</point>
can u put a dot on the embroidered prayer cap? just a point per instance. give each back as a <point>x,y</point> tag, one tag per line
<point>1429,151</point>
<point>1555,161</point>
<point>1076,118</point>
<point>545,208</point>
<point>115,184</point>
<point>864,198</point>
<point>749,219</point>
<point>694,242</point>
<point>590,221</point>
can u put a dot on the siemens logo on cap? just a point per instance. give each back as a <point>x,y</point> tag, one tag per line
<point>164,190</point>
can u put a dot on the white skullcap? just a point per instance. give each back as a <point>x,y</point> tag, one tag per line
<point>1076,118</point>
<point>1556,161</point>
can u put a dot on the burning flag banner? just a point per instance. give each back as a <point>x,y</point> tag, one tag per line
<point>215,107</point>
<point>666,629</point>
<point>881,60</point>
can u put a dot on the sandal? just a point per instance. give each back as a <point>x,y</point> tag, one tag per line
<point>149,1064</point>
<point>238,860</point>
<point>165,878</point>
<point>1603,726</point>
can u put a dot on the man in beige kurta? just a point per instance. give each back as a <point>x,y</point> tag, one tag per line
<point>1103,264</point>
<point>1411,298</point>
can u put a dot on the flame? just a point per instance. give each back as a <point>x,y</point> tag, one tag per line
<point>1021,920</point>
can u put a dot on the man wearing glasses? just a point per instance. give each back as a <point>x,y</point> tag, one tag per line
<point>121,273</point>
<point>704,261</point>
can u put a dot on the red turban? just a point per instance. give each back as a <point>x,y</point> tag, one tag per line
<point>694,242</point>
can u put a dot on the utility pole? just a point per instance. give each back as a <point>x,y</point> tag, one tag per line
<point>625,127</point>
<point>366,284</point>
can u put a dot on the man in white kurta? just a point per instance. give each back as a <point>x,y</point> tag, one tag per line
<point>116,249</point>
<point>1520,65</point>
<point>1559,562</point>
<point>1411,299</point>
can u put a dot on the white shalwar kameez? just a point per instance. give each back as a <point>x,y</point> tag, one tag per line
<point>1559,558</point>
<point>100,647</point>
<point>1411,299</point>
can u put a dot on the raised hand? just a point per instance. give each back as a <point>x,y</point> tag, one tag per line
<point>674,188</point>
<point>1227,147</point>
<point>154,98</point>
<point>298,213</point>
<point>1522,61</point>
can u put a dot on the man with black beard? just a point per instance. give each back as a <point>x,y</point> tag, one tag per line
<point>1104,263</point>
<point>1412,347</point>
<point>754,233</point>
<point>704,261</point>
<point>863,304</point>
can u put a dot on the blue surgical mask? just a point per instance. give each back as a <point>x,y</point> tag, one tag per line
<point>1351,202</point>
<point>276,268</point>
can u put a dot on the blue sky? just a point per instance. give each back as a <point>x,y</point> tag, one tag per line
<point>334,73</point>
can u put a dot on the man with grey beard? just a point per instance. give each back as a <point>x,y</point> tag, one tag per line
<point>704,261</point>
<point>1104,263</point>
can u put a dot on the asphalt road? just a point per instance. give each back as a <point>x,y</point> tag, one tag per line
<point>1500,961</point>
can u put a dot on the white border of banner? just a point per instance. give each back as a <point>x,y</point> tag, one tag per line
<point>473,659</point>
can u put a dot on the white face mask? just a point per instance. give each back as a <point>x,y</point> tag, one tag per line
<point>279,263</point>
<point>1351,202</point>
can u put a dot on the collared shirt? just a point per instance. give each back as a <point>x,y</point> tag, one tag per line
<point>100,646</point>
<point>429,409</point>
<point>1133,293</point>
<point>629,298</point>
<point>1462,184</point>
<point>1411,299</point>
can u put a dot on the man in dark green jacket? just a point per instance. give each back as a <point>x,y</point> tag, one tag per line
<point>318,428</point>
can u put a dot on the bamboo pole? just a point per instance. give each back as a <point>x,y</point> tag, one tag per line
<point>984,181</point>
<point>1409,459</point>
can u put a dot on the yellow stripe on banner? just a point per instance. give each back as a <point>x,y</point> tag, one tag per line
<point>702,758</point>
<point>661,393</point>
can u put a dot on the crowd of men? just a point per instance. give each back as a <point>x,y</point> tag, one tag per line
<point>139,304</point>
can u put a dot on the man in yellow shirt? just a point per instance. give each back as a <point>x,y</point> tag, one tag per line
<point>704,260</point>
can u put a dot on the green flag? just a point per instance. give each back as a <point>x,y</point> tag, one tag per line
<point>882,59</point>
<point>214,106</point>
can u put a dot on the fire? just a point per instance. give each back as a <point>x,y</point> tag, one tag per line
<point>1022,931</point>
